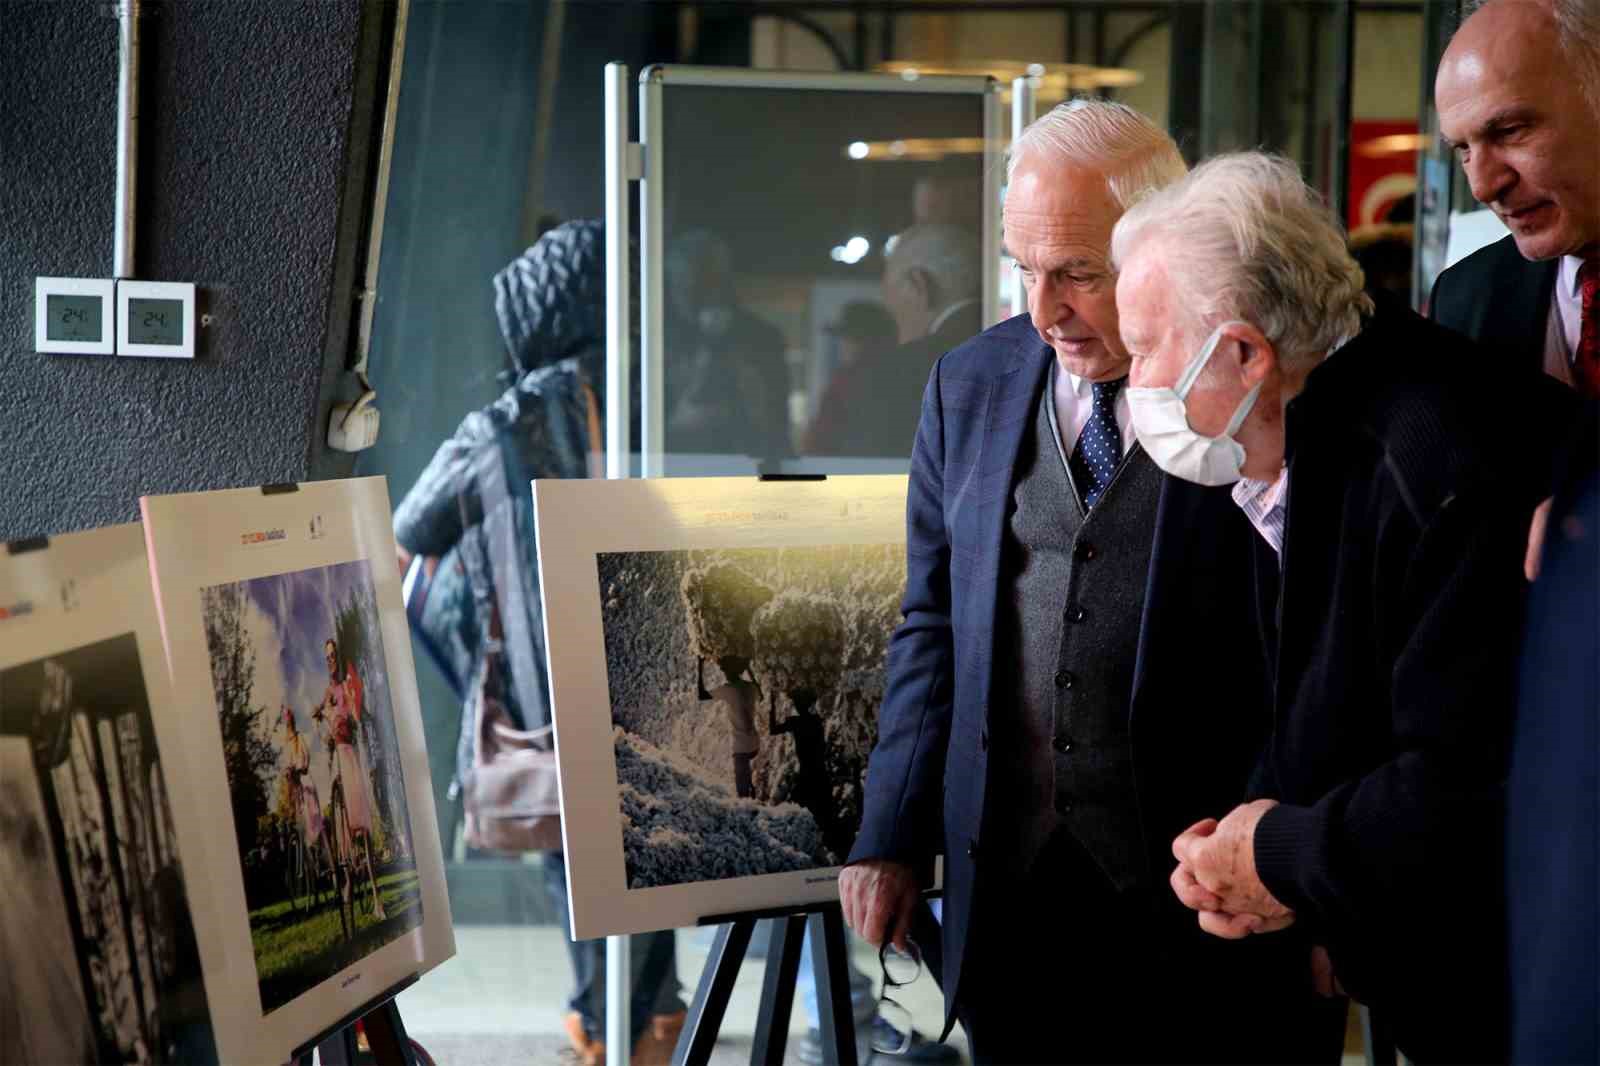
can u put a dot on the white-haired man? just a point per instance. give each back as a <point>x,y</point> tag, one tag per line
<point>1040,726</point>
<point>1518,92</point>
<point>932,287</point>
<point>1390,518</point>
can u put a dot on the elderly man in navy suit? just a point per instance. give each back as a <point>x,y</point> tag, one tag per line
<point>1042,728</point>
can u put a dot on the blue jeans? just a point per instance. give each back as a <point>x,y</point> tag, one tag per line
<point>652,958</point>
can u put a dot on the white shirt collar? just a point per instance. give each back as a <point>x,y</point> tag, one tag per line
<point>1567,276</point>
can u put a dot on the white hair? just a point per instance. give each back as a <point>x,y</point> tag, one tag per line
<point>1577,26</point>
<point>1134,153</point>
<point>1246,239</point>
<point>949,254</point>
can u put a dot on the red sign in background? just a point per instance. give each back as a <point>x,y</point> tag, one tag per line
<point>1383,169</point>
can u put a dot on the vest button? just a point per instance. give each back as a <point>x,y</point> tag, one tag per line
<point>1062,744</point>
<point>1065,679</point>
<point>1087,551</point>
<point>1076,613</point>
<point>1063,805</point>
<point>972,850</point>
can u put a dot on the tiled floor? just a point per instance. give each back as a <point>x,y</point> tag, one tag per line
<point>500,1000</point>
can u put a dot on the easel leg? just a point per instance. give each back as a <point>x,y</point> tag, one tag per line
<point>339,1049</point>
<point>834,1012</point>
<point>386,1034</point>
<point>777,990</point>
<point>711,997</point>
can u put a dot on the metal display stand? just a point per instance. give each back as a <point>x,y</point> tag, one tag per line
<point>380,1024</point>
<point>829,961</point>
<point>643,162</point>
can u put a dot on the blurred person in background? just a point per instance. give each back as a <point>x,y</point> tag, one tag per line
<point>726,387</point>
<point>863,332</point>
<point>932,288</point>
<point>550,303</point>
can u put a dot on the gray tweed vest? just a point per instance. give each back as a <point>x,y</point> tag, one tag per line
<point>1067,630</point>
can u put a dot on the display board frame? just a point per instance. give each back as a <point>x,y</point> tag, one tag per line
<point>580,522</point>
<point>84,691</point>
<point>339,533</point>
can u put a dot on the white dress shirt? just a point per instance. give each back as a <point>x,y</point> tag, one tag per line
<point>1074,403</point>
<point>1563,327</point>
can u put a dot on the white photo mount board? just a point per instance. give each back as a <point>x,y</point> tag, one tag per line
<point>201,540</point>
<point>83,589</point>
<point>576,522</point>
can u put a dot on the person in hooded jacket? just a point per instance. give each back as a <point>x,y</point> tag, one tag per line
<point>550,304</point>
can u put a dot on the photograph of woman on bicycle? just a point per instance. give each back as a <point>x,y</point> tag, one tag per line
<point>317,791</point>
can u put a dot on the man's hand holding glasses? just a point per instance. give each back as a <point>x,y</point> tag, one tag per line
<point>900,968</point>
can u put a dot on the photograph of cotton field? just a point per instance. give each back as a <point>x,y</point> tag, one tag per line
<point>744,688</point>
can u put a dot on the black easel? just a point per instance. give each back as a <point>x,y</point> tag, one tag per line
<point>829,964</point>
<point>385,1033</point>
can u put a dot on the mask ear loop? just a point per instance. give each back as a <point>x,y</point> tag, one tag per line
<point>1191,373</point>
<point>1242,412</point>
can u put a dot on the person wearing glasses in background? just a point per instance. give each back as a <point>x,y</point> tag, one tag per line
<point>1042,725</point>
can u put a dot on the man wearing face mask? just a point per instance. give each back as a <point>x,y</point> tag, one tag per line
<point>1390,519</point>
<point>726,383</point>
<point>1041,727</point>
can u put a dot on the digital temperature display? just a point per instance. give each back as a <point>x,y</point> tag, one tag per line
<point>155,321</point>
<point>70,317</point>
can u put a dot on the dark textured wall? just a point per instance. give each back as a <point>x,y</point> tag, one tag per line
<point>246,107</point>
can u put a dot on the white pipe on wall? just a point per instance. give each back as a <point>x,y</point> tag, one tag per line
<point>127,135</point>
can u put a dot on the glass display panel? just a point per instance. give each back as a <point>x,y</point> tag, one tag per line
<point>821,250</point>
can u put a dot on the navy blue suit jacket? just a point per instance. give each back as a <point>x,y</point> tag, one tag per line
<point>1198,706</point>
<point>1553,834</point>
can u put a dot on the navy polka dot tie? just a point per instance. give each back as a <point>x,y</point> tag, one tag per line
<point>1099,448</point>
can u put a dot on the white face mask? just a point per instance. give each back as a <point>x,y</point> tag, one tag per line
<point>1162,423</point>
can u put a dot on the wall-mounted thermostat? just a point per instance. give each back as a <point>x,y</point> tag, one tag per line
<point>156,318</point>
<point>74,316</point>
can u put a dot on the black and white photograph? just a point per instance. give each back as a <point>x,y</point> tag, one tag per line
<point>99,961</point>
<point>744,685</point>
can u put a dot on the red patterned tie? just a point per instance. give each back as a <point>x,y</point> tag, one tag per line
<point>1586,367</point>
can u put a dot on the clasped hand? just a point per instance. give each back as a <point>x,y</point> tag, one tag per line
<point>1216,875</point>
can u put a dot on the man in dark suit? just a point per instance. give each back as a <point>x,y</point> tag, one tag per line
<point>932,284</point>
<point>1389,532</point>
<point>1040,727</point>
<point>1553,833</point>
<point>1518,92</point>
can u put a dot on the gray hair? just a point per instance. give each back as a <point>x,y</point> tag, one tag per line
<point>949,254</point>
<point>1253,242</point>
<point>1134,153</point>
